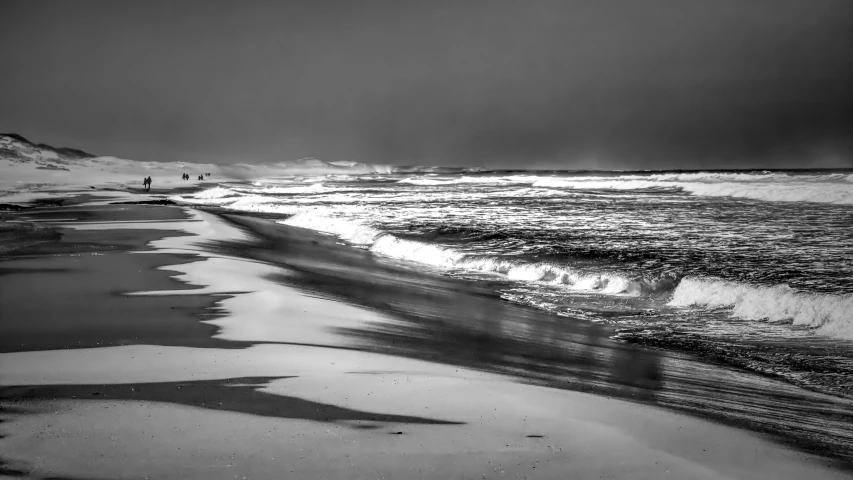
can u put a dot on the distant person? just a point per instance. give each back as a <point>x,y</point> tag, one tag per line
<point>149,183</point>
<point>145,183</point>
<point>201,177</point>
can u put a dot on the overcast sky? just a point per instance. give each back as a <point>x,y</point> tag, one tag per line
<point>518,84</point>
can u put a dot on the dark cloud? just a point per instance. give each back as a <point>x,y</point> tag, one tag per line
<point>501,83</point>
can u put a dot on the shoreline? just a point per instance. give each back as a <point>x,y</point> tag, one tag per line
<point>557,352</point>
<point>347,294</point>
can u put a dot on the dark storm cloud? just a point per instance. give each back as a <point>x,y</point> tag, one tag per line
<point>516,84</point>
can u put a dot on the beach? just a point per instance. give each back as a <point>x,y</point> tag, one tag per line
<point>426,240</point>
<point>153,341</point>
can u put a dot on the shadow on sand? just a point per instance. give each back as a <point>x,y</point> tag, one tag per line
<point>467,324</point>
<point>452,321</point>
<point>241,395</point>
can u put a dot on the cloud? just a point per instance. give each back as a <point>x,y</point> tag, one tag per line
<point>551,84</point>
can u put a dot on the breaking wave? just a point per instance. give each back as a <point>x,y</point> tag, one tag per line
<point>215,193</point>
<point>837,193</point>
<point>820,189</point>
<point>767,186</point>
<point>350,231</point>
<point>312,188</point>
<point>517,179</point>
<point>827,314</point>
<point>228,198</point>
<point>446,258</point>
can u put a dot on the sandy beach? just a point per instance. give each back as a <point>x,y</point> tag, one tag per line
<point>150,341</point>
<point>426,240</point>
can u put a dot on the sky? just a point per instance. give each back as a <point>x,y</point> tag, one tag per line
<point>504,84</point>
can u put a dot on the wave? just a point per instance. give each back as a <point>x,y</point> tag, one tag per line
<point>791,192</point>
<point>414,251</point>
<point>228,198</point>
<point>415,169</point>
<point>827,314</point>
<point>819,190</point>
<point>609,181</point>
<point>516,179</point>
<point>215,193</point>
<point>350,231</point>
<point>312,188</point>
<point>555,274</point>
<point>600,184</point>
<point>448,258</point>
<point>832,188</point>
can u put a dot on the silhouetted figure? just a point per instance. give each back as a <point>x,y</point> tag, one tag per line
<point>145,183</point>
<point>148,180</point>
<point>201,177</point>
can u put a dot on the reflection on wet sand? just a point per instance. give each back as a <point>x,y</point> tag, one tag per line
<point>487,335</point>
<point>241,395</point>
<point>461,323</point>
<point>453,321</point>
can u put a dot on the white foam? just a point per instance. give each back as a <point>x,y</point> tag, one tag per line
<point>595,183</point>
<point>414,251</point>
<point>827,314</point>
<point>214,193</point>
<point>380,243</point>
<point>837,193</point>
<point>768,187</point>
<point>312,188</point>
<point>563,275</point>
<point>522,179</point>
<point>446,258</point>
<point>350,231</point>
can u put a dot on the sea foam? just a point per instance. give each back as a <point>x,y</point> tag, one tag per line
<point>830,315</point>
<point>312,188</point>
<point>447,258</point>
<point>770,187</point>
<point>352,232</point>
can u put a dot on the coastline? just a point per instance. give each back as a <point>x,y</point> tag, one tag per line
<point>477,329</point>
<point>296,314</point>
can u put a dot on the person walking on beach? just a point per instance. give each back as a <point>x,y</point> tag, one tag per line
<point>148,180</point>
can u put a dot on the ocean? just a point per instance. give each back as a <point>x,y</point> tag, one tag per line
<point>750,268</point>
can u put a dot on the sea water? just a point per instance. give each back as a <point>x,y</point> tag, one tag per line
<point>754,268</point>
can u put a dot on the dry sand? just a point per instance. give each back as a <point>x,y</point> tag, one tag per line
<point>270,386</point>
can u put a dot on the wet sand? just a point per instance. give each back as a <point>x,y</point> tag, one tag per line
<point>463,323</point>
<point>281,354</point>
<point>70,287</point>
